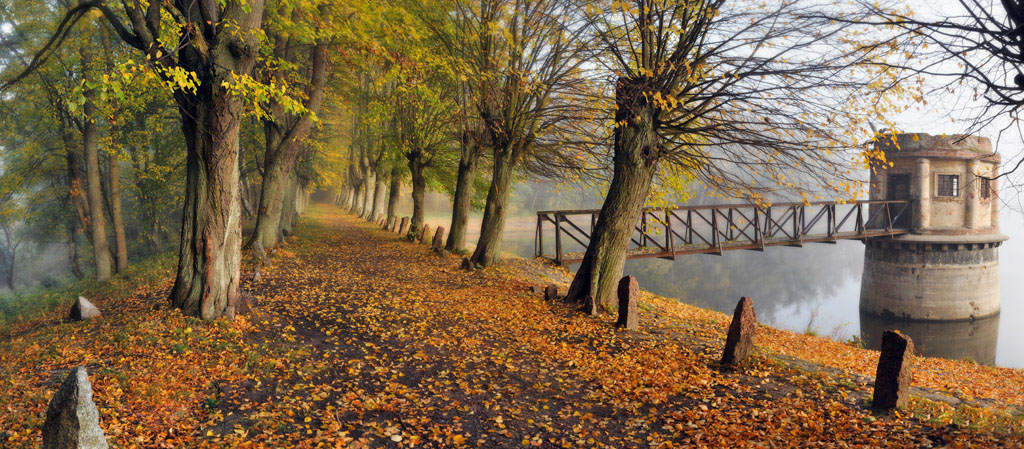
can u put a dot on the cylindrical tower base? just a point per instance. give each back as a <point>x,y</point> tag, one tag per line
<point>931,277</point>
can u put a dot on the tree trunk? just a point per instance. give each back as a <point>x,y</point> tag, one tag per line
<point>94,192</point>
<point>7,254</point>
<point>463,198</point>
<point>368,195</point>
<point>268,216</point>
<point>76,267</point>
<point>636,160</point>
<point>419,189</point>
<point>9,273</point>
<point>350,193</point>
<point>76,193</point>
<point>283,135</point>
<point>288,208</point>
<point>301,200</point>
<point>488,248</point>
<point>378,198</point>
<point>393,193</point>
<point>211,234</point>
<point>360,199</point>
<point>116,215</point>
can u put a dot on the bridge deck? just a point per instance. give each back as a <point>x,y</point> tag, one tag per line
<point>675,231</point>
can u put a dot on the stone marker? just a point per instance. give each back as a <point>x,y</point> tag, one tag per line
<point>467,264</point>
<point>740,342</point>
<point>391,223</point>
<point>72,420</point>
<point>424,235</point>
<point>82,309</point>
<point>404,228</point>
<point>257,274</point>
<point>551,292</point>
<point>629,317</point>
<point>437,243</point>
<point>893,376</point>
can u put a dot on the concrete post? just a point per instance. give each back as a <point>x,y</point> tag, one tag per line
<point>972,202</point>
<point>924,194</point>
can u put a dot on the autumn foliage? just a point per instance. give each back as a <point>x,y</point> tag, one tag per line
<point>361,339</point>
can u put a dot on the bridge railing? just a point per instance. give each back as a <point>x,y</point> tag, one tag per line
<point>680,230</point>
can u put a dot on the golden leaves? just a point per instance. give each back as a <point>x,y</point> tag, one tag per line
<point>362,341</point>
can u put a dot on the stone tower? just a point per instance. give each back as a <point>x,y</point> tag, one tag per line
<point>947,268</point>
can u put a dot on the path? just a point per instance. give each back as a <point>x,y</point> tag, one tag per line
<point>396,346</point>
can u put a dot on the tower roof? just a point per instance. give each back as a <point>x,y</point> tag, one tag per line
<point>954,146</point>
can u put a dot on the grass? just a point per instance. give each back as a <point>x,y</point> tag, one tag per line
<point>33,303</point>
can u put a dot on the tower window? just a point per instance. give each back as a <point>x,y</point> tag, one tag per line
<point>986,188</point>
<point>949,185</point>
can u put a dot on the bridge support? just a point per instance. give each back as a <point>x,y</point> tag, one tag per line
<point>922,279</point>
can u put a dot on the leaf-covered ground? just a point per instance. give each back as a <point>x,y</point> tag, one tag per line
<point>362,340</point>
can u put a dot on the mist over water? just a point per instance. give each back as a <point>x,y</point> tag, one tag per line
<point>813,289</point>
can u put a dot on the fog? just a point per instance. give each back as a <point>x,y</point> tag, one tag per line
<point>813,289</point>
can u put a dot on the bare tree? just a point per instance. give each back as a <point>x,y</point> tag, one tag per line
<point>749,99</point>
<point>971,59</point>
<point>523,57</point>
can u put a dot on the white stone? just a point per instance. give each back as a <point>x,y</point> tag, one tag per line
<point>72,420</point>
<point>83,310</point>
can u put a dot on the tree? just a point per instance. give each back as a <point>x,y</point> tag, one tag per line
<point>287,122</point>
<point>423,112</point>
<point>525,69</point>
<point>207,68</point>
<point>90,144</point>
<point>737,96</point>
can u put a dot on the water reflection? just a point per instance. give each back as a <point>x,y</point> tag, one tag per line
<point>817,288</point>
<point>787,284</point>
<point>974,340</point>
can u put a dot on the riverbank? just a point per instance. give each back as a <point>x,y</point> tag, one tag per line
<point>362,340</point>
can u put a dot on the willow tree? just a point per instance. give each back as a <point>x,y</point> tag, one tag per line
<point>455,31</point>
<point>751,100</point>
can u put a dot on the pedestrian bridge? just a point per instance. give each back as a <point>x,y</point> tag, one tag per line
<point>675,231</point>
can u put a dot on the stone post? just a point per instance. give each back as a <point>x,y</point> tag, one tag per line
<point>629,289</point>
<point>551,292</point>
<point>437,243</point>
<point>72,420</point>
<point>404,228</point>
<point>424,236</point>
<point>893,376</point>
<point>740,341</point>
